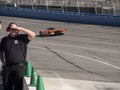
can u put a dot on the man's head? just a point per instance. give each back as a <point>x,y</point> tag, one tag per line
<point>12,29</point>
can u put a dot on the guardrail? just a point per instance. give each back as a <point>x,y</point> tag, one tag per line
<point>75,17</point>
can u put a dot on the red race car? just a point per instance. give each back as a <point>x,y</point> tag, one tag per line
<point>52,31</point>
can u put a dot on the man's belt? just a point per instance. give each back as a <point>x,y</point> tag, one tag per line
<point>20,64</point>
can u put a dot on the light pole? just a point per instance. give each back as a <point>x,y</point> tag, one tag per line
<point>78,5</point>
<point>113,6</point>
<point>62,4</point>
<point>94,5</point>
<point>47,5</point>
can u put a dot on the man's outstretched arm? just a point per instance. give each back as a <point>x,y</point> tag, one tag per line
<point>30,33</point>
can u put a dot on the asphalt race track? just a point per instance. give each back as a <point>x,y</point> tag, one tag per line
<point>87,57</point>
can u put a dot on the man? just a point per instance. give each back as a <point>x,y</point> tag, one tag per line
<point>14,48</point>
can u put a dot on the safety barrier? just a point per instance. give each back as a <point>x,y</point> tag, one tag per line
<point>35,81</point>
<point>85,18</point>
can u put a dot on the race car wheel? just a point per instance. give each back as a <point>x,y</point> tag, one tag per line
<point>62,33</point>
<point>49,35</point>
<point>40,34</point>
<point>58,33</point>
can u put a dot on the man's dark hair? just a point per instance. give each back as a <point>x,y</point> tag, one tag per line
<point>11,24</point>
<point>7,29</point>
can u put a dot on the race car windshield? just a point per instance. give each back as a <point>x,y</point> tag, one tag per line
<point>50,28</point>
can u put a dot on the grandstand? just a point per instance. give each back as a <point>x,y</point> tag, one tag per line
<point>111,7</point>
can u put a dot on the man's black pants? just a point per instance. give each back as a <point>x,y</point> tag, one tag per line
<point>13,76</point>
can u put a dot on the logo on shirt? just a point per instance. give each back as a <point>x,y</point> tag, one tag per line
<point>15,41</point>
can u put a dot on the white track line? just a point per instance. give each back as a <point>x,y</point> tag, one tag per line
<point>92,59</point>
<point>81,47</point>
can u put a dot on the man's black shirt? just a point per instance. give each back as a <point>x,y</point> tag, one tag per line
<point>14,48</point>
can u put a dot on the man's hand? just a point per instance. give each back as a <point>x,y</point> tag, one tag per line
<point>20,28</point>
<point>30,33</point>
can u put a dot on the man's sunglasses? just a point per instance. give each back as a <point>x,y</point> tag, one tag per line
<point>13,29</point>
